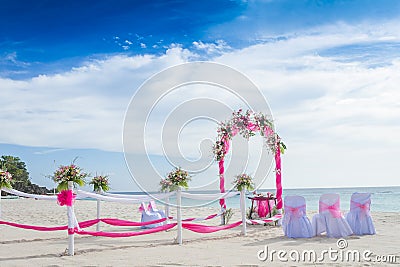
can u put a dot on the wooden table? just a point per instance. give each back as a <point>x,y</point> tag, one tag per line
<point>261,198</point>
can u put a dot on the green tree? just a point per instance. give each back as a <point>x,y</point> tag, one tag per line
<point>18,170</point>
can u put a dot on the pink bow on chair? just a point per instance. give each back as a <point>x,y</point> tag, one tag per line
<point>296,211</point>
<point>363,207</point>
<point>333,209</point>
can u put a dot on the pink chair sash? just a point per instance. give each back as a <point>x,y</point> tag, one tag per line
<point>363,207</point>
<point>295,211</point>
<point>142,208</point>
<point>334,209</point>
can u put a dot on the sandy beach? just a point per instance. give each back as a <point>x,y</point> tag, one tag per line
<point>21,247</point>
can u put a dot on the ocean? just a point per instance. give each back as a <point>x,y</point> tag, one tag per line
<point>383,199</point>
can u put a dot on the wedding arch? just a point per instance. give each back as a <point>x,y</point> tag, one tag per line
<point>247,124</point>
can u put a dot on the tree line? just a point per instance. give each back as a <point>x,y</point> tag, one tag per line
<point>20,176</point>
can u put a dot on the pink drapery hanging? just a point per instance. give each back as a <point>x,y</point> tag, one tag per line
<point>278,177</point>
<point>222,182</point>
<point>278,169</point>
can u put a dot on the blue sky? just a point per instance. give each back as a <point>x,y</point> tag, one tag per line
<point>329,70</point>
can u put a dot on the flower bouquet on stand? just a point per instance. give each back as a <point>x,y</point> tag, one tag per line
<point>69,173</point>
<point>5,179</point>
<point>175,179</point>
<point>100,183</point>
<point>243,181</point>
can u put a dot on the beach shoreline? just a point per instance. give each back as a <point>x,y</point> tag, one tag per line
<point>22,247</point>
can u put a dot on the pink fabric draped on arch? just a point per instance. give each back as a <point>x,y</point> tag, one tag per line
<point>278,173</point>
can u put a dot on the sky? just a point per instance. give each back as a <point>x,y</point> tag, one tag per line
<point>328,69</point>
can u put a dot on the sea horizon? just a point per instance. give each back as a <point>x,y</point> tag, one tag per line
<point>383,198</point>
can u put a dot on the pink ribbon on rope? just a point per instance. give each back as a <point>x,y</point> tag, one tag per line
<point>128,234</point>
<point>118,222</point>
<point>65,197</point>
<point>334,209</point>
<point>204,229</point>
<point>84,224</point>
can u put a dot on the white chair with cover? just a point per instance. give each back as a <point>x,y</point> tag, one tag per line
<point>153,208</point>
<point>330,218</point>
<point>295,222</point>
<point>359,217</point>
<point>148,215</point>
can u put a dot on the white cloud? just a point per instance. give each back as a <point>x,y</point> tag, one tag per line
<point>82,108</point>
<point>218,47</point>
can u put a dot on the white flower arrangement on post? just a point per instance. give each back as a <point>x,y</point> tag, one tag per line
<point>100,183</point>
<point>5,179</point>
<point>243,181</point>
<point>175,179</point>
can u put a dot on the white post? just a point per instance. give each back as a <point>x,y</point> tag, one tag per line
<point>243,210</point>
<point>71,223</point>
<point>179,216</point>
<point>98,215</point>
<point>167,209</point>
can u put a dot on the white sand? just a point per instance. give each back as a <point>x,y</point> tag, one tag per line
<point>19,247</point>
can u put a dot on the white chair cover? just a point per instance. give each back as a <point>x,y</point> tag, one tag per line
<point>330,219</point>
<point>295,222</point>
<point>153,208</point>
<point>148,215</point>
<point>359,217</point>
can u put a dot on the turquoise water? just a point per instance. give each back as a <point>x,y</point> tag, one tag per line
<point>384,199</point>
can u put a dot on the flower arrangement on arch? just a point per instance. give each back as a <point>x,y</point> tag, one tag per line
<point>5,179</point>
<point>100,183</point>
<point>243,181</point>
<point>219,150</point>
<point>246,124</point>
<point>65,174</point>
<point>175,179</point>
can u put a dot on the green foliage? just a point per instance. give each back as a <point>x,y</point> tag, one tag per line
<point>100,183</point>
<point>228,215</point>
<point>17,169</point>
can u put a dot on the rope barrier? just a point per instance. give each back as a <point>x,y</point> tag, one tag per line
<point>74,227</point>
<point>143,197</point>
<point>205,229</point>
<point>209,196</point>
